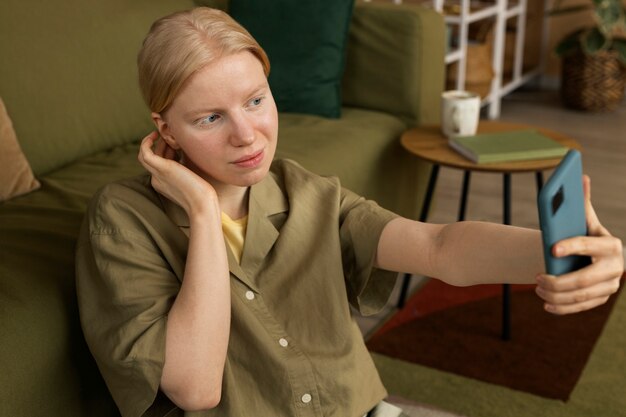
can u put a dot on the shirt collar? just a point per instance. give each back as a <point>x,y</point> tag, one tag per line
<point>266,197</point>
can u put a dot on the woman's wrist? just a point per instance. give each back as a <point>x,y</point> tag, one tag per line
<point>204,212</point>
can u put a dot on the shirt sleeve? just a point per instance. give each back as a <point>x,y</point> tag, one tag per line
<point>362,223</point>
<point>125,288</point>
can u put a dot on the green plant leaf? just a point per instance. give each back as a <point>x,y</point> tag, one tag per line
<point>609,13</point>
<point>570,43</point>
<point>593,41</point>
<point>619,45</point>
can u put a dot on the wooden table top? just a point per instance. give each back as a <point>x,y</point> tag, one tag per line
<point>428,143</point>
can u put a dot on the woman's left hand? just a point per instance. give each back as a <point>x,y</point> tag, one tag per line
<point>591,286</point>
<point>172,179</point>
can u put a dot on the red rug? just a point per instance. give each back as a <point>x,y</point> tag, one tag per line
<point>458,330</point>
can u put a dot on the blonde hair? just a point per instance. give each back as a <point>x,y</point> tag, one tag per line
<point>180,44</point>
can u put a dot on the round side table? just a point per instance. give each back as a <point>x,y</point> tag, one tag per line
<point>429,144</point>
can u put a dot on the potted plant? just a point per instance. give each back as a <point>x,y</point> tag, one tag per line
<point>594,58</point>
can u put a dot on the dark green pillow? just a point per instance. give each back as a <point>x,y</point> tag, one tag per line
<point>305,42</point>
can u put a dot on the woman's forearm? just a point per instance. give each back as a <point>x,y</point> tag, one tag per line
<point>199,321</point>
<point>461,254</point>
<point>471,253</point>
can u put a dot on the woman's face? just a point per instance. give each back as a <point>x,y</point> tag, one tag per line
<point>225,122</point>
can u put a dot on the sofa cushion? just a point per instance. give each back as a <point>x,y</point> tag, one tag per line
<point>397,51</point>
<point>46,366</point>
<point>363,149</point>
<point>305,42</point>
<point>69,75</point>
<point>16,176</point>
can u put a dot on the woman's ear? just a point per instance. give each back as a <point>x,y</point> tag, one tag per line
<point>164,131</point>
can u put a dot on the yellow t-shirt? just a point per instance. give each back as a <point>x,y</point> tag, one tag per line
<point>235,234</point>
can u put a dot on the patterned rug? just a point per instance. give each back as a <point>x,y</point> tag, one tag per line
<point>458,330</point>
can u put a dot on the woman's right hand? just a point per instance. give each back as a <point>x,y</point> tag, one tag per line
<point>172,179</point>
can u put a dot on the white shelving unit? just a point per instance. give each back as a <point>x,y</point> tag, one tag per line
<point>501,11</point>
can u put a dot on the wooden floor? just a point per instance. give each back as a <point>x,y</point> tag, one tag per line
<point>603,138</point>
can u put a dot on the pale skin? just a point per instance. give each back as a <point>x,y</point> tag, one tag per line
<point>224,121</point>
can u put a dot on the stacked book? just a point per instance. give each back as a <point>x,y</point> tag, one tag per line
<point>517,145</point>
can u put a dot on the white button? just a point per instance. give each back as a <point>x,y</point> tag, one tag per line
<point>284,343</point>
<point>306,398</point>
<point>250,295</point>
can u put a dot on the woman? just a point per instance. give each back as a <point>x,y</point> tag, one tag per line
<point>219,283</point>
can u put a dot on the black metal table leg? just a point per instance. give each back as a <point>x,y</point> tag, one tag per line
<point>506,290</point>
<point>464,193</point>
<point>507,199</point>
<point>430,190</point>
<point>506,312</point>
<point>539,180</point>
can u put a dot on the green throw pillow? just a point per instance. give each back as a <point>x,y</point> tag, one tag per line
<point>305,42</point>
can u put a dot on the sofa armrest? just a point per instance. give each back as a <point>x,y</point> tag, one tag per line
<point>395,61</point>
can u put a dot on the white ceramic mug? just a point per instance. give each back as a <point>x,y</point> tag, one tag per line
<point>460,112</point>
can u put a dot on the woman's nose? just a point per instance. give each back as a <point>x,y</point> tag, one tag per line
<point>242,131</point>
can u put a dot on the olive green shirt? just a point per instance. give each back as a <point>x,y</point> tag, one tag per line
<point>294,348</point>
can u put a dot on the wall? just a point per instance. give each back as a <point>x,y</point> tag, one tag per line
<point>559,27</point>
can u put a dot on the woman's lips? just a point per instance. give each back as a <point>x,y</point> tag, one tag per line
<point>250,161</point>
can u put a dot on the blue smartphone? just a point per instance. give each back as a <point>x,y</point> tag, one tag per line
<point>561,207</point>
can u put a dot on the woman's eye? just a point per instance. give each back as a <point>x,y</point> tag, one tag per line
<point>256,101</point>
<point>212,118</point>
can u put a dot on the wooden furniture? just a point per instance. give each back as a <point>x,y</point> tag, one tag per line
<point>429,144</point>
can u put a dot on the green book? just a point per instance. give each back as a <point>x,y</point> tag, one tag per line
<point>516,145</point>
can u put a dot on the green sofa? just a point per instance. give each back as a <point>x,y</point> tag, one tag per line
<point>68,80</point>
